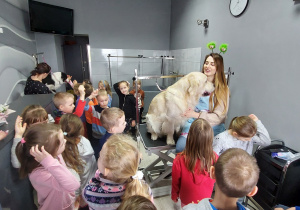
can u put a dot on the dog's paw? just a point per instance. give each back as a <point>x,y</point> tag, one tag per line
<point>154,136</point>
<point>170,141</point>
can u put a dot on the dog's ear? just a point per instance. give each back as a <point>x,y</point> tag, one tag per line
<point>194,85</point>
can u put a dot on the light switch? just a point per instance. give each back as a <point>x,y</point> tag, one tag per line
<point>1,30</point>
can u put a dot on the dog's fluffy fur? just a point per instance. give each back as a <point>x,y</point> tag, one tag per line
<point>165,110</point>
<point>55,80</point>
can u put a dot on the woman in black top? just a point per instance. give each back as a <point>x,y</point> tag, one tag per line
<point>34,83</point>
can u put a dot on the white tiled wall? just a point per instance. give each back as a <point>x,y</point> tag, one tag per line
<point>186,60</point>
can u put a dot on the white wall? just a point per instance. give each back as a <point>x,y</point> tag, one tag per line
<point>263,52</point>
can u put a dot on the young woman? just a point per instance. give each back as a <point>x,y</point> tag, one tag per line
<point>34,83</point>
<point>213,106</point>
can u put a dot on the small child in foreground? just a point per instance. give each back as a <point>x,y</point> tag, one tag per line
<point>236,174</point>
<point>242,133</point>
<point>117,177</point>
<point>191,180</point>
<point>39,153</point>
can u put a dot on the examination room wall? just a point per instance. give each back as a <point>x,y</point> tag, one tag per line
<point>263,52</point>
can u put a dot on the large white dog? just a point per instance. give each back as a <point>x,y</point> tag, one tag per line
<point>165,110</point>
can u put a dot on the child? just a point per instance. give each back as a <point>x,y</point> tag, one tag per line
<point>236,174</point>
<point>32,114</point>
<point>137,202</point>
<point>78,154</point>
<point>64,102</point>
<point>89,115</point>
<point>117,177</point>
<point>243,132</point>
<point>97,128</point>
<point>126,103</point>
<point>141,96</point>
<point>39,153</point>
<point>103,85</point>
<point>113,120</point>
<point>191,180</point>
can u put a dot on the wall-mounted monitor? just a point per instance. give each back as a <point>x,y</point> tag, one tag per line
<point>52,19</point>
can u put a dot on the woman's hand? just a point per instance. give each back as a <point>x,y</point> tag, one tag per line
<point>133,123</point>
<point>19,129</point>
<point>190,113</point>
<point>38,155</point>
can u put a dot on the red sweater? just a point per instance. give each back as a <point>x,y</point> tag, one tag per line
<point>190,187</point>
<point>78,111</point>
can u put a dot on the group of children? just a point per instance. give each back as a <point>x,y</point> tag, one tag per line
<point>225,159</point>
<point>84,159</point>
<point>61,162</point>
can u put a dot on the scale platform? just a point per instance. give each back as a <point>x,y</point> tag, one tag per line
<point>157,173</point>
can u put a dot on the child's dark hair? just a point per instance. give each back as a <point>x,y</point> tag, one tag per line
<point>244,126</point>
<point>33,114</point>
<point>236,173</point>
<point>199,146</point>
<point>137,202</point>
<point>46,135</point>
<point>88,89</point>
<point>72,126</point>
<point>87,81</point>
<point>41,68</point>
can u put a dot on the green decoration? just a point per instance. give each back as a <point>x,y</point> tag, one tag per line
<point>223,48</point>
<point>211,46</point>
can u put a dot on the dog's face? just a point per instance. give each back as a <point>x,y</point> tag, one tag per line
<point>198,84</point>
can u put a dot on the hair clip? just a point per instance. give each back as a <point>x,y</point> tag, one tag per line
<point>103,83</point>
<point>212,45</point>
<point>65,133</point>
<point>23,141</point>
<point>138,175</point>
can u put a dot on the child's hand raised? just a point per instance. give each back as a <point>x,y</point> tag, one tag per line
<point>253,117</point>
<point>81,91</point>
<point>19,129</point>
<point>38,155</point>
<point>93,94</point>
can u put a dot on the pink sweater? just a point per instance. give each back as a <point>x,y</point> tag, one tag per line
<point>55,184</point>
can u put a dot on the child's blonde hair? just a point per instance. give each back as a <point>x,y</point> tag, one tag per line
<point>34,114</point>
<point>109,117</point>
<point>106,86</point>
<point>46,135</point>
<point>244,126</point>
<point>137,202</point>
<point>102,93</point>
<point>61,97</point>
<point>122,159</point>
<point>199,147</point>
<point>72,127</point>
<point>236,173</point>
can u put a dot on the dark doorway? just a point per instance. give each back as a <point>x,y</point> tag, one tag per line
<point>75,53</point>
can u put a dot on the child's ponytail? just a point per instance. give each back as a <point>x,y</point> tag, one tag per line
<point>136,186</point>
